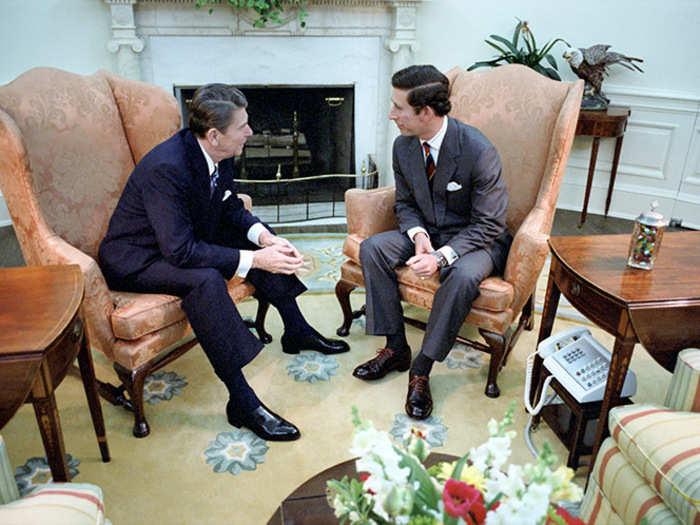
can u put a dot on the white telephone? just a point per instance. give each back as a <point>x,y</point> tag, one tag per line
<point>579,363</point>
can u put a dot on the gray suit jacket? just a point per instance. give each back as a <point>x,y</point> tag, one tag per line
<point>470,218</point>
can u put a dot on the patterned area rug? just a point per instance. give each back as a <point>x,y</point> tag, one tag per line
<point>196,468</point>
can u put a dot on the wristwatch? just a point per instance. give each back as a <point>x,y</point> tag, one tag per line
<point>441,259</point>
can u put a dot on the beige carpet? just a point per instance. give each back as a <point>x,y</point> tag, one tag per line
<point>165,478</point>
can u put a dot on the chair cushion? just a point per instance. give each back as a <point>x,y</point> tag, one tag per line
<point>496,295</point>
<point>684,390</point>
<point>617,494</point>
<point>663,445</point>
<point>139,314</point>
<point>57,504</point>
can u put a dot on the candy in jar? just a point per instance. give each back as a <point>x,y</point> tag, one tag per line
<point>646,238</point>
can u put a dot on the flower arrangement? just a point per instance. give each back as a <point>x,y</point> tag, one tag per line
<point>267,10</point>
<point>396,488</point>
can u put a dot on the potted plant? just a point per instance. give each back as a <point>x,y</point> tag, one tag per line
<point>529,55</point>
<point>267,10</point>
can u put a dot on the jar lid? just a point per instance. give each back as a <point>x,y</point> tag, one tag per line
<point>652,217</point>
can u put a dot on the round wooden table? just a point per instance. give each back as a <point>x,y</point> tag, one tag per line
<point>307,504</point>
<point>40,336</point>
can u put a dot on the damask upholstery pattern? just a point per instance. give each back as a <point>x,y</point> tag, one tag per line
<point>68,143</point>
<point>531,121</point>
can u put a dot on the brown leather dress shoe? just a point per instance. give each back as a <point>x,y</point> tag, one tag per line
<point>419,402</point>
<point>386,361</point>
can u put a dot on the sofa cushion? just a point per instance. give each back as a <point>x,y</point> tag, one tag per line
<point>617,494</point>
<point>663,445</point>
<point>139,314</point>
<point>57,504</point>
<point>684,390</point>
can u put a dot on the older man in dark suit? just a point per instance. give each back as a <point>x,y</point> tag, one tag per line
<point>179,228</point>
<point>449,195</point>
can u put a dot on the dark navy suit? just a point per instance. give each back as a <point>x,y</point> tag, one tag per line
<point>168,235</point>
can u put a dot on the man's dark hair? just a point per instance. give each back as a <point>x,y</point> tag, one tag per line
<point>212,106</point>
<point>426,86</point>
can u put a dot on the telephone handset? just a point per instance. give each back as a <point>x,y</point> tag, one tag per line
<point>579,363</point>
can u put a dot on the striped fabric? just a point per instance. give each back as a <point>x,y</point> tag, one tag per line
<point>617,494</point>
<point>8,486</point>
<point>684,390</point>
<point>663,445</point>
<point>57,504</point>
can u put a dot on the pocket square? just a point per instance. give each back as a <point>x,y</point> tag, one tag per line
<point>454,186</point>
<point>227,194</point>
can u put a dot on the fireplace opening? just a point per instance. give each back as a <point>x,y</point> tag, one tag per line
<point>302,151</point>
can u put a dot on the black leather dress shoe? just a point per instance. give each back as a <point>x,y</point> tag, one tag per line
<point>313,341</point>
<point>419,402</point>
<point>264,422</point>
<point>386,361</point>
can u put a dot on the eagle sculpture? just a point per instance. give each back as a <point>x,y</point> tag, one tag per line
<point>591,64</point>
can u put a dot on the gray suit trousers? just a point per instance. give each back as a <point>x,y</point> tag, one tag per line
<point>380,254</point>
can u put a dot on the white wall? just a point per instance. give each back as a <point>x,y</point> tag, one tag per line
<point>664,130</point>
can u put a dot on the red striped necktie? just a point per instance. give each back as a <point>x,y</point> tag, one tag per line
<point>429,163</point>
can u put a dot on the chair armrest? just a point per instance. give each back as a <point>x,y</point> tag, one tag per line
<point>527,256</point>
<point>247,201</point>
<point>370,211</point>
<point>97,306</point>
<point>684,390</point>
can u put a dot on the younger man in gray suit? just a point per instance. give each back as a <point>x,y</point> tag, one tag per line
<point>451,207</point>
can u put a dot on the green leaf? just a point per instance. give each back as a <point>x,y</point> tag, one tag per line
<point>510,46</point>
<point>459,466</point>
<point>516,33</point>
<point>498,48</point>
<point>551,60</point>
<point>489,63</point>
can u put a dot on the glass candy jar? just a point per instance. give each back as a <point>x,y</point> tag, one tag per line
<point>646,238</point>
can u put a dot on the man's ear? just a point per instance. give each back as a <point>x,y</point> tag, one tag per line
<point>426,113</point>
<point>212,135</point>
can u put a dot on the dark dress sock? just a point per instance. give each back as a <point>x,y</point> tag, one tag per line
<point>422,365</point>
<point>397,342</point>
<point>241,394</point>
<point>293,319</point>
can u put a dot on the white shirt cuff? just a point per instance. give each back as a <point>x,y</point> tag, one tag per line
<point>254,233</point>
<point>413,231</point>
<point>449,254</point>
<point>245,261</point>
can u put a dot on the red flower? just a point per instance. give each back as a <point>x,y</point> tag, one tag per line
<point>464,501</point>
<point>568,518</point>
<point>364,477</point>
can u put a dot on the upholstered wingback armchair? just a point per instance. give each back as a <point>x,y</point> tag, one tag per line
<point>67,146</point>
<point>531,121</point>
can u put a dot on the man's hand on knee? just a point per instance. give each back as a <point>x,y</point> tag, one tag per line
<point>424,264</point>
<point>278,259</point>
<point>423,244</point>
<point>268,239</point>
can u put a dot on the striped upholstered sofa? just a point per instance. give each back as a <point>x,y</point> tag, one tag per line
<point>649,467</point>
<point>50,504</point>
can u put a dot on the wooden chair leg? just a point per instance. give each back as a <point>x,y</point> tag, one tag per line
<point>342,292</point>
<point>527,316</point>
<point>497,343</point>
<point>134,381</point>
<point>263,306</point>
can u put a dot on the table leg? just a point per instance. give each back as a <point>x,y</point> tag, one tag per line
<point>87,374</point>
<point>589,181</point>
<point>613,173</point>
<point>49,424</point>
<point>621,355</point>
<point>551,302</point>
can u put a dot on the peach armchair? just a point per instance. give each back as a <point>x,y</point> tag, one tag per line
<point>67,146</point>
<point>531,121</point>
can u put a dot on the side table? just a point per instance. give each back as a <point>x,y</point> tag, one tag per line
<point>41,334</point>
<point>609,123</point>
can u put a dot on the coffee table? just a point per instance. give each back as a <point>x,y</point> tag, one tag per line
<point>307,504</point>
<point>659,308</point>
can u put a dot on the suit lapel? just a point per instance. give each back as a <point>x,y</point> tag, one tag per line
<point>200,183</point>
<point>446,167</point>
<point>420,180</point>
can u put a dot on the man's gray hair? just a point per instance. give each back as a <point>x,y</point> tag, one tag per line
<point>212,106</point>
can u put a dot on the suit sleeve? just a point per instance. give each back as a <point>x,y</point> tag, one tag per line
<point>405,207</point>
<point>489,200</point>
<point>165,198</point>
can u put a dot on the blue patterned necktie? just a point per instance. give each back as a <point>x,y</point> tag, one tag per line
<point>429,163</point>
<point>213,180</point>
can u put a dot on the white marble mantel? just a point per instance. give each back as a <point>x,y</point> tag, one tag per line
<point>345,42</point>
